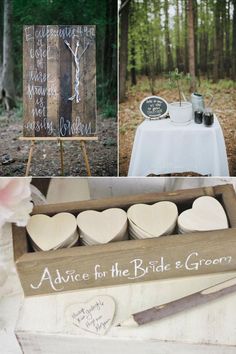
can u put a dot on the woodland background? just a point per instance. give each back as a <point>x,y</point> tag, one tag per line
<point>197,37</point>
<point>13,15</point>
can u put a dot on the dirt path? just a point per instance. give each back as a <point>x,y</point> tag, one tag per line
<point>46,157</point>
<point>224,106</point>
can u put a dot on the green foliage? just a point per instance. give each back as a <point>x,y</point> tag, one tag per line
<point>109,110</point>
<point>148,31</point>
<point>19,109</point>
<point>177,80</point>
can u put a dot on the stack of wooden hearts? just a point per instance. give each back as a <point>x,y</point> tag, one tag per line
<point>147,221</point>
<point>102,227</point>
<point>206,214</point>
<point>51,233</point>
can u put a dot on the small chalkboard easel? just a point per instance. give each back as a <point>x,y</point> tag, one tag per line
<point>59,86</point>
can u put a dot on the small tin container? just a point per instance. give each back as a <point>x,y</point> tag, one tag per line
<point>208,118</point>
<point>197,102</point>
<point>198,116</point>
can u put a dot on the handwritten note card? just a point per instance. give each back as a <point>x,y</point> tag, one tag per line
<point>95,316</point>
<point>59,81</point>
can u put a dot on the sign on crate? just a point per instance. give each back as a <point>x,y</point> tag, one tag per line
<point>131,261</point>
<point>59,82</point>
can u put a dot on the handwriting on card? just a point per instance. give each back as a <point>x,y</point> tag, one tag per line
<point>95,316</point>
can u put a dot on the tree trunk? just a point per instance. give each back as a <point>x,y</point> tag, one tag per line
<point>7,87</point>
<point>234,43</point>
<point>178,56</point>
<point>217,49</point>
<point>124,26</point>
<point>109,69</point>
<point>195,31</point>
<point>133,64</point>
<point>169,57</point>
<point>191,47</point>
<point>186,62</point>
<point>227,61</point>
<point>221,38</point>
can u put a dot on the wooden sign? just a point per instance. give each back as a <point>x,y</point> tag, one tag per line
<point>153,107</point>
<point>129,261</point>
<point>59,81</point>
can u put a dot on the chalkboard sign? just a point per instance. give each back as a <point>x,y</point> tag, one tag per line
<point>153,107</point>
<point>59,81</point>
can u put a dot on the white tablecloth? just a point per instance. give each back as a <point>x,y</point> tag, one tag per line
<point>161,147</point>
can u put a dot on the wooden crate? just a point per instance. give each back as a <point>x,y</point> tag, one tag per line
<point>133,260</point>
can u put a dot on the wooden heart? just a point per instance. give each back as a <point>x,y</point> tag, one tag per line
<point>156,219</point>
<point>95,316</point>
<point>102,227</point>
<point>206,214</point>
<point>50,232</point>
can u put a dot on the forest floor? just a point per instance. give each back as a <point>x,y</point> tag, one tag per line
<point>224,105</point>
<point>46,157</point>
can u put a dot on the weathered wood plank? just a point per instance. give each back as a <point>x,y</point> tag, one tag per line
<point>20,245</point>
<point>65,106</point>
<point>28,71</point>
<point>229,202</point>
<point>131,261</point>
<point>53,83</point>
<point>125,202</point>
<point>90,76</point>
<point>39,86</point>
<point>127,262</point>
<point>59,81</point>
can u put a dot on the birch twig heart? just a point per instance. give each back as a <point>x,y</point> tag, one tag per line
<point>206,214</point>
<point>102,227</point>
<point>95,316</point>
<point>155,220</point>
<point>50,233</point>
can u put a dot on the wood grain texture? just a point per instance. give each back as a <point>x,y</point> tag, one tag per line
<point>51,69</point>
<point>20,245</point>
<point>53,82</point>
<point>70,138</point>
<point>65,106</point>
<point>213,324</point>
<point>183,198</point>
<point>130,261</point>
<point>184,304</point>
<point>28,69</point>
<point>229,202</point>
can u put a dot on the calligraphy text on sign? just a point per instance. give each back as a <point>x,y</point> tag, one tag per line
<point>137,269</point>
<point>59,81</point>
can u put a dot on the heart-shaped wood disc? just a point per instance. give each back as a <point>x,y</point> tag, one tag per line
<point>102,227</point>
<point>49,233</point>
<point>95,316</point>
<point>156,220</point>
<point>206,214</point>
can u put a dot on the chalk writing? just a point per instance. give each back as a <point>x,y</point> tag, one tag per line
<point>65,32</point>
<point>36,126</point>
<point>74,128</point>
<point>39,90</point>
<point>50,100</point>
